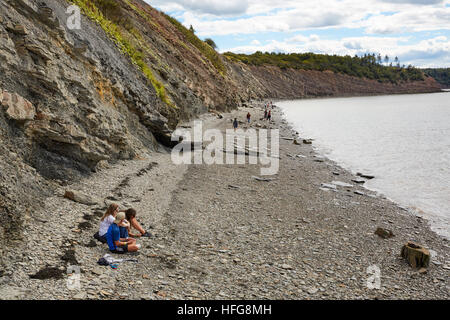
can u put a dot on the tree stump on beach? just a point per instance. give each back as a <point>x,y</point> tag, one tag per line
<point>416,255</point>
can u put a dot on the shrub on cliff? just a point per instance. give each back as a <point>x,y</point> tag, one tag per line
<point>203,47</point>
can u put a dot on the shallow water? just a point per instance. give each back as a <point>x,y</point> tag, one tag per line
<point>403,140</point>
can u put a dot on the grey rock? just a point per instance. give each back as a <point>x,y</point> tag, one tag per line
<point>80,197</point>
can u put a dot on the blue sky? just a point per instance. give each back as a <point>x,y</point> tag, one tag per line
<point>416,31</point>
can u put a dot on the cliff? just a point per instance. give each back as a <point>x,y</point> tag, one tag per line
<point>72,100</point>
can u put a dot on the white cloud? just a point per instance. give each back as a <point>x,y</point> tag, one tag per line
<point>425,2</point>
<point>409,21</point>
<point>302,38</point>
<point>299,15</point>
<point>421,54</point>
<point>378,25</point>
<point>214,7</point>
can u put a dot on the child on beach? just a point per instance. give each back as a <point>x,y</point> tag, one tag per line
<point>106,221</point>
<point>130,215</point>
<point>116,243</point>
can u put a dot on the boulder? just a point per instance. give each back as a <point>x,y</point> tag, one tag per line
<point>416,255</point>
<point>17,29</point>
<point>328,186</point>
<point>79,197</point>
<point>17,108</point>
<point>384,233</point>
<point>342,184</point>
<point>365,176</point>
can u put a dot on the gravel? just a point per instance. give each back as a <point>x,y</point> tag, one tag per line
<point>219,233</point>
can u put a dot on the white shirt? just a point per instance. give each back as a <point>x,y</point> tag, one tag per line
<point>104,225</point>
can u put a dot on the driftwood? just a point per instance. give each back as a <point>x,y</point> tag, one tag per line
<point>416,255</point>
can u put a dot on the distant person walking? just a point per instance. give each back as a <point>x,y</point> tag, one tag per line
<point>269,115</point>
<point>248,117</point>
<point>235,124</point>
<point>265,114</point>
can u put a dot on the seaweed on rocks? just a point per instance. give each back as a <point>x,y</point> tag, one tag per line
<point>85,225</point>
<point>88,217</point>
<point>48,273</point>
<point>91,244</point>
<point>69,257</point>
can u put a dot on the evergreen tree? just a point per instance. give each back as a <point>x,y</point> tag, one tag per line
<point>211,43</point>
<point>379,59</point>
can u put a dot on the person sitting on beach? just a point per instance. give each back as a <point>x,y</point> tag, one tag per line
<point>106,221</point>
<point>130,215</point>
<point>117,244</point>
<point>235,124</point>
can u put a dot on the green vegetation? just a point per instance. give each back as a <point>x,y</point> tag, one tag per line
<point>442,75</point>
<point>141,13</point>
<point>120,29</point>
<point>207,50</point>
<point>367,66</point>
<point>211,43</point>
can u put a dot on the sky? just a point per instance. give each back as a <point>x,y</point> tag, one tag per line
<point>415,31</point>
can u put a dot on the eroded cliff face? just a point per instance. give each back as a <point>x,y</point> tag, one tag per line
<point>71,100</point>
<point>289,84</point>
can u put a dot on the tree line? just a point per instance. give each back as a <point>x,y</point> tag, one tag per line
<point>370,66</point>
<point>442,75</point>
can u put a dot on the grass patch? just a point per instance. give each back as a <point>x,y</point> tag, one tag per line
<point>124,43</point>
<point>141,13</point>
<point>202,46</point>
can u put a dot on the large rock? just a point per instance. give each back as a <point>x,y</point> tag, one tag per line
<point>17,108</point>
<point>81,198</point>
<point>384,233</point>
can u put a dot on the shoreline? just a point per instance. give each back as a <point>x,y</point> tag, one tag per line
<point>354,96</point>
<point>221,234</point>
<point>416,212</point>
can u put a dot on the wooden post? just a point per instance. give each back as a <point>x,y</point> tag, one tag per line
<point>417,256</point>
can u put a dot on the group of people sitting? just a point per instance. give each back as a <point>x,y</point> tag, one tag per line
<point>116,230</point>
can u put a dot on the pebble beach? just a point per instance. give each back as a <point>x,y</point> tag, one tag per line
<point>308,232</point>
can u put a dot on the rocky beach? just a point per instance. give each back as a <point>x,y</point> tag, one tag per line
<point>307,232</point>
